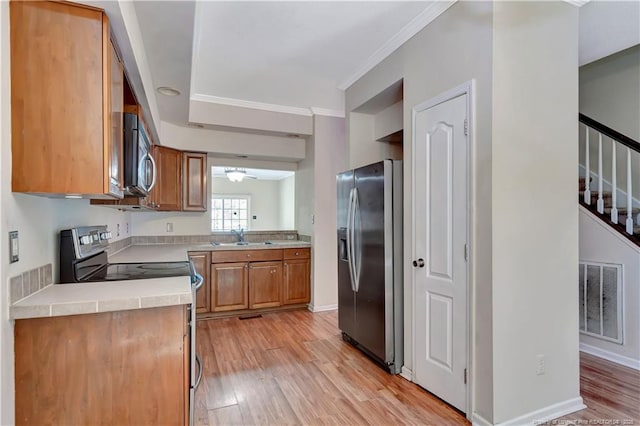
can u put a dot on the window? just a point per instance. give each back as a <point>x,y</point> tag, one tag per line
<point>230,212</point>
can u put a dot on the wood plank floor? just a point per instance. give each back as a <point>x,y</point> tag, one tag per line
<point>293,368</point>
<point>610,391</point>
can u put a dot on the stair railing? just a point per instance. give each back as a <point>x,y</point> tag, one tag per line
<point>592,126</point>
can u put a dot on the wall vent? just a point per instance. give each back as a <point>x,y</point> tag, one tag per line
<point>600,288</point>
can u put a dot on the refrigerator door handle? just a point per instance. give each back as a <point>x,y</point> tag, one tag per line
<point>357,249</point>
<point>349,242</point>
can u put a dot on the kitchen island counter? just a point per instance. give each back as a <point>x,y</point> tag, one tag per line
<point>107,296</point>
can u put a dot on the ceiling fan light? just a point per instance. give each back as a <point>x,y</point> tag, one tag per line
<point>235,175</point>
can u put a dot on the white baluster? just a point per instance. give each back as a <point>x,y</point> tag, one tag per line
<point>600,203</point>
<point>587,178</point>
<point>614,183</point>
<point>629,222</point>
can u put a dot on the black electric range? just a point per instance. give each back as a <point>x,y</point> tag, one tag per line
<point>83,259</point>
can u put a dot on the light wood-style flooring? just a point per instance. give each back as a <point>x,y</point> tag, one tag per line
<point>293,368</point>
<point>610,391</point>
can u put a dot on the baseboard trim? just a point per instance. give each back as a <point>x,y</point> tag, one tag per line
<point>478,420</point>
<point>546,414</point>
<point>323,308</point>
<point>610,356</point>
<point>406,373</point>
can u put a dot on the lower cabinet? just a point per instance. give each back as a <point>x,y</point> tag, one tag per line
<point>265,280</point>
<point>112,368</point>
<point>229,286</point>
<point>202,261</point>
<point>242,280</point>
<point>297,276</point>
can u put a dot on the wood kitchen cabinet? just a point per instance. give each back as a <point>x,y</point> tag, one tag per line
<point>66,99</point>
<point>166,195</point>
<point>113,368</point>
<point>229,286</point>
<point>194,182</point>
<point>259,279</point>
<point>265,282</point>
<point>201,261</point>
<point>297,276</point>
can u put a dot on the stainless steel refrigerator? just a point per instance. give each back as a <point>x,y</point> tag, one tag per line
<point>370,296</point>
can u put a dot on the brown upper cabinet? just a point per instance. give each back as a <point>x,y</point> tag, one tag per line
<point>194,181</point>
<point>66,101</point>
<point>166,195</point>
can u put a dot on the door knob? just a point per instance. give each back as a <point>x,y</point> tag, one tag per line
<point>418,263</point>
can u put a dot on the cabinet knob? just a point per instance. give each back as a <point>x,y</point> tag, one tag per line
<point>297,254</point>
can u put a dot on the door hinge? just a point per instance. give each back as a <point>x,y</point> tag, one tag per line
<point>465,376</point>
<point>466,127</point>
<point>466,252</point>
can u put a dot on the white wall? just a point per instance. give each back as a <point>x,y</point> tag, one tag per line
<point>287,203</point>
<point>535,232</point>
<point>600,243</point>
<point>38,221</point>
<point>219,142</point>
<point>304,191</point>
<point>329,138</point>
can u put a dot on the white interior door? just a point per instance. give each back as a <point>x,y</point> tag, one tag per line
<point>440,269</point>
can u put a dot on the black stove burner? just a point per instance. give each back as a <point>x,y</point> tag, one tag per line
<point>138,271</point>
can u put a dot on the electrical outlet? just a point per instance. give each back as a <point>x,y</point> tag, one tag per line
<point>540,368</point>
<point>118,230</point>
<point>169,227</point>
<point>127,226</point>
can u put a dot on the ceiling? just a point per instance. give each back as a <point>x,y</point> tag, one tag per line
<point>260,174</point>
<point>281,53</point>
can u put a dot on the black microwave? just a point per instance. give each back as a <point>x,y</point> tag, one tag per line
<point>140,169</point>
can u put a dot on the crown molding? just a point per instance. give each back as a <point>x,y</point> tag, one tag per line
<point>427,16</point>
<point>578,3</point>
<point>241,103</point>
<point>327,112</point>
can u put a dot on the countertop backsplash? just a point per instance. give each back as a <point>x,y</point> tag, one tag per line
<point>220,237</point>
<point>29,282</point>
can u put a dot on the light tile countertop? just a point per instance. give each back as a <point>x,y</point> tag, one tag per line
<point>179,252</point>
<point>87,298</point>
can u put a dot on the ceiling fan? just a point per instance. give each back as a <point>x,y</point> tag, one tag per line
<point>237,175</point>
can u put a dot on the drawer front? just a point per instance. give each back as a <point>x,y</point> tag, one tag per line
<point>297,253</point>
<point>246,255</point>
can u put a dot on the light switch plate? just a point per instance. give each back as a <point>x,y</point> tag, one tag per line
<point>14,249</point>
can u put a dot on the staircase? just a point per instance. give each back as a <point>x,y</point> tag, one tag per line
<point>621,214</point>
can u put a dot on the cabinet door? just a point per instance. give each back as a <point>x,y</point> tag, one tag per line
<point>59,97</point>
<point>194,182</point>
<point>265,282</point>
<point>116,101</point>
<point>229,286</point>
<point>201,262</point>
<point>167,194</point>
<point>297,281</point>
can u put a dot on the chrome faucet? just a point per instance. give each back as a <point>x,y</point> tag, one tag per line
<point>239,234</point>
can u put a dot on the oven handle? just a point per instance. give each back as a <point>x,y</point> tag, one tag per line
<point>199,281</point>
<point>199,378</point>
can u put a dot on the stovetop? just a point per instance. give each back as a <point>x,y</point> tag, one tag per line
<point>137,271</point>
